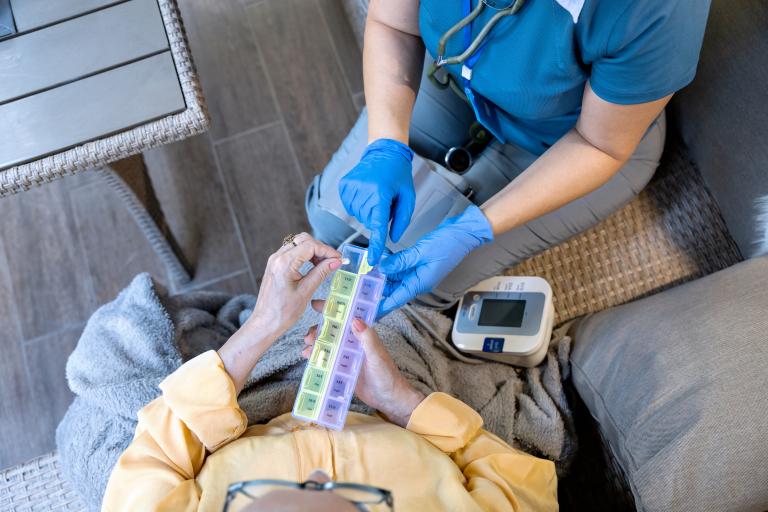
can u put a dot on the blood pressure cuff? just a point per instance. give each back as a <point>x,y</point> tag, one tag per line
<point>677,383</point>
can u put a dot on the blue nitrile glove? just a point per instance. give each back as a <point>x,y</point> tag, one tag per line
<point>379,189</point>
<point>420,268</point>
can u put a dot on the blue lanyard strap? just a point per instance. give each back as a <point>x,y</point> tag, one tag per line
<point>467,65</point>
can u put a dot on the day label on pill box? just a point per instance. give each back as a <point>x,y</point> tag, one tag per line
<point>331,374</point>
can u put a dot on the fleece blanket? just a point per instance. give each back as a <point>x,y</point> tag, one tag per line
<point>134,342</point>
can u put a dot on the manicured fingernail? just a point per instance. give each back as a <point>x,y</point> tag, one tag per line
<point>345,261</point>
<point>358,325</point>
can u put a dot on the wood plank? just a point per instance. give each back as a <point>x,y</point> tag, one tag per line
<point>308,81</point>
<point>88,109</point>
<point>31,14</point>
<point>234,82</point>
<point>20,433</point>
<point>23,436</point>
<point>266,190</point>
<point>191,193</point>
<point>78,47</point>
<point>350,56</point>
<point>49,279</point>
<point>114,249</point>
<point>46,360</point>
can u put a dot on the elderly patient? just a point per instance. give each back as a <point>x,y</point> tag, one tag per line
<point>193,449</point>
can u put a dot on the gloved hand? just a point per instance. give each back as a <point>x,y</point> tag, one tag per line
<point>420,268</point>
<point>380,188</point>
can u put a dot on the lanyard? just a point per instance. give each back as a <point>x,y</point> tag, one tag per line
<point>469,63</point>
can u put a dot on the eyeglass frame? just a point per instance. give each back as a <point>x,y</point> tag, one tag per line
<point>385,496</point>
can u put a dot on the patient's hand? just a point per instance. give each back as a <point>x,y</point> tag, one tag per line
<point>284,292</point>
<point>283,297</point>
<point>380,385</point>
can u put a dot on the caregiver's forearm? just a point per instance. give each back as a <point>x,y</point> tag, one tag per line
<point>570,169</point>
<point>243,349</point>
<point>392,63</point>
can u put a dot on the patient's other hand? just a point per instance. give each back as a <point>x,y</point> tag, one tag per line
<point>381,385</point>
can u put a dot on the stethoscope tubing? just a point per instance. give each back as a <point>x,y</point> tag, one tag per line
<point>472,48</point>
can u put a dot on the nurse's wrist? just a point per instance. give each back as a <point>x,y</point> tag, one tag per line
<point>499,224</point>
<point>389,132</point>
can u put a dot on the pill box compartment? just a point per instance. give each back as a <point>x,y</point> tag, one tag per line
<point>343,284</point>
<point>356,257</point>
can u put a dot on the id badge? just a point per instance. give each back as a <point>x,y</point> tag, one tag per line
<point>485,112</point>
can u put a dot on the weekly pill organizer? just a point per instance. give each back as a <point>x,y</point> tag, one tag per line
<point>331,374</point>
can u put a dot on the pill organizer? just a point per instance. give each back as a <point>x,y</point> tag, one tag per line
<point>331,374</point>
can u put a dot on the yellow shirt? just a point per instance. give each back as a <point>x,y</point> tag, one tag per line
<point>192,442</point>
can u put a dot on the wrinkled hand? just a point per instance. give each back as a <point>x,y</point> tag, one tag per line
<point>420,268</point>
<point>284,293</point>
<point>379,189</point>
<point>380,384</point>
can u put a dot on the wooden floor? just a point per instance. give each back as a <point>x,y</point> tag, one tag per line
<point>283,83</point>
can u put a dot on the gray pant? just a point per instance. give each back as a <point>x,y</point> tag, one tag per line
<point>441,120</point>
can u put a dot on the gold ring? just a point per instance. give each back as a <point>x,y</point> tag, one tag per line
<point>290,239</point>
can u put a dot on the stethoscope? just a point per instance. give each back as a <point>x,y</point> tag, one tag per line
<point>460,158</point>
<point>503,8</point>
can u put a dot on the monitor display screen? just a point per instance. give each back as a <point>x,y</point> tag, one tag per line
<point>502,313</point>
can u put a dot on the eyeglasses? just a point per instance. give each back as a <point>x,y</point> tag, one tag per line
<point>359,495</point>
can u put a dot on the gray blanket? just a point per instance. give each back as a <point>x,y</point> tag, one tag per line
<point>134,342</point>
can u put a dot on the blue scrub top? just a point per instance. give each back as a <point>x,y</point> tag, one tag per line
<point>537,62</point>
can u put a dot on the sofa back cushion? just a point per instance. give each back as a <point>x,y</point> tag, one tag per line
<point>723,115</point>
<point>677,383</point>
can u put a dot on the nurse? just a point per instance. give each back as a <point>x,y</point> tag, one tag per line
<point>573,93</point>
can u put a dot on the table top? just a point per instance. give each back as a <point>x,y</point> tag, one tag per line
<point>74,72</point>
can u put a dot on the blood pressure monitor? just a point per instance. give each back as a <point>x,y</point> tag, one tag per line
<point>506,319</point>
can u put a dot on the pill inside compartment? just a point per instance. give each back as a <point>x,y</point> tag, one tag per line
<point>330,332</point>
<point>321,355</point>
<point>336,307</point>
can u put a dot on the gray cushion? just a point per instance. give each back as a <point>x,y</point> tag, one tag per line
<point>678,383</point>
<point>723,115</point>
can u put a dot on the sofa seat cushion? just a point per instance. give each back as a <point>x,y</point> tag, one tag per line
<point>678,383</point>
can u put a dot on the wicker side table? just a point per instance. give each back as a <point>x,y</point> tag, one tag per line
<point>104,153</point>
